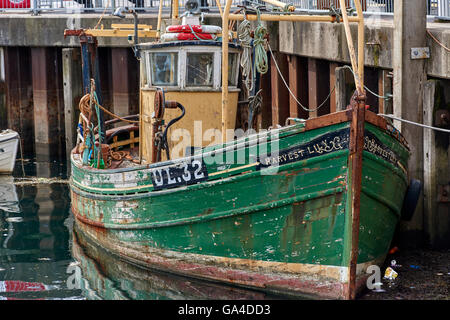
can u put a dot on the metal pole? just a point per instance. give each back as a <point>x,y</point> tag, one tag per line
<point>226,13</point>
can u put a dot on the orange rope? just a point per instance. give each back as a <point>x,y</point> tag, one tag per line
<point>438,42</point>
<point>86,98</point>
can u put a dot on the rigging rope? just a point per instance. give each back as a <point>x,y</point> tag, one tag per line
<point>292,94</point>
<point>414,123</point>
<point>365,87</point>
<point>261,60</point>
<point>84,108</point>
<point>245,39</point>
<point>438,42</point>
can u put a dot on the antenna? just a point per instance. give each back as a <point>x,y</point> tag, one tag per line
<point>120,12</point>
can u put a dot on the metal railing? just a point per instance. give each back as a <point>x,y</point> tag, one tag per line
<point>443,11</point>
<point>439,8</point>
<point>94,5</point>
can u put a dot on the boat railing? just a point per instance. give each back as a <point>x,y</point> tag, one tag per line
<point>127,129</point>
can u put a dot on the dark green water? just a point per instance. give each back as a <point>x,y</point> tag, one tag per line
<point>35,241</point>
<point>43,256</point>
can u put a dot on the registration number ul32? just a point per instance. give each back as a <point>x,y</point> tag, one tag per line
<point>180,174</point>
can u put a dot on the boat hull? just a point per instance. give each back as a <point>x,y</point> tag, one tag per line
<point>281,224</point>
<point>9,141</point>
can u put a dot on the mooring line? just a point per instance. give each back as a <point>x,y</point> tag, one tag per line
<point>289,89</point>
<point>414,123</point>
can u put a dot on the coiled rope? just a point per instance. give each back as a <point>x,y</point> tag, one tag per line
<point>244,36</point>
<point>86,104</point>
<point>261,60</point>
<point>85,108</point>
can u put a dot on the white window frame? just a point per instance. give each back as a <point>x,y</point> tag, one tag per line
<point>182,65</point>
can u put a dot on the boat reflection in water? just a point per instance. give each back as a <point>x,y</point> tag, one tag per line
<point>105,276</point>
<point>34,239</point>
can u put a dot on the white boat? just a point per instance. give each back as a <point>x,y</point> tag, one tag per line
<point>9,140</point>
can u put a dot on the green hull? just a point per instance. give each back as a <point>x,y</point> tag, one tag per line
<point>104,277</point>
<point>278,220</point>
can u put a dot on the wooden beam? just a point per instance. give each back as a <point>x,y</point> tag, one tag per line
<point>280,94</point>
<point>126,26</point>
<point>265,116</point>
<point>319,87</point>
<point>333,67</point>
<point>293,85</point>
<point>312,82</point>
<point>120,33</point>
<point>271,17</point>
<point>73,91</point>
<point>48,99</point>
<point>298,83</point>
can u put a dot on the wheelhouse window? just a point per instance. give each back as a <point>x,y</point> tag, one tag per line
<point>232,69</point>
<point>164,68</point>
<point>200,71</point>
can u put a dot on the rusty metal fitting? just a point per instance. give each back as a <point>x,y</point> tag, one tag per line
<point>170,104</point>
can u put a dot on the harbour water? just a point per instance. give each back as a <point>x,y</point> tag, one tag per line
<point>35,236</point>
<point>43,256</point>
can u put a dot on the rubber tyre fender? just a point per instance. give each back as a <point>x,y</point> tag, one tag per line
<point>411,199</point>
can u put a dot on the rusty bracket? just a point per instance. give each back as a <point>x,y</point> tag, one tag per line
<point>420,53</point>
<point>74,33</point>
<point>442,118</point>
<point>444,193</point>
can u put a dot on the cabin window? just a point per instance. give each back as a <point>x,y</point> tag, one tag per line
<point>199,69</point>
<point>164,68</point>
<point>232,69</point>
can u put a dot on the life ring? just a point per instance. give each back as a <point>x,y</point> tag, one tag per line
<point>194,28</point>
<point>16,4</point>
<point>187,36</point>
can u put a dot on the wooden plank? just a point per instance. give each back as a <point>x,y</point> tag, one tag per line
<point>319,88</point>
<point>333,67</point>
<point>429,166</point>
<point>329,119</point>
<point>312,81</point>
<point>298,83</point>
<point>265,116</point>
<point>123,142</point>
<point>73,90</point>
<point>293,85</point>
<point>344,116</point>
<point>48,103</point>
<point>344,88</point>
<point>280,94</point>
<point>120,33</point>
<point>125,26</point>
<point>385,89</point>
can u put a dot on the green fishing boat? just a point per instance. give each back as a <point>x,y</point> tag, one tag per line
<point>299,210</point>
<point>105,277</point>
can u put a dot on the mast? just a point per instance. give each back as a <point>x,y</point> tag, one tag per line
<point>175,9</point>
<point>356,146</point>
<point>226,13</point>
